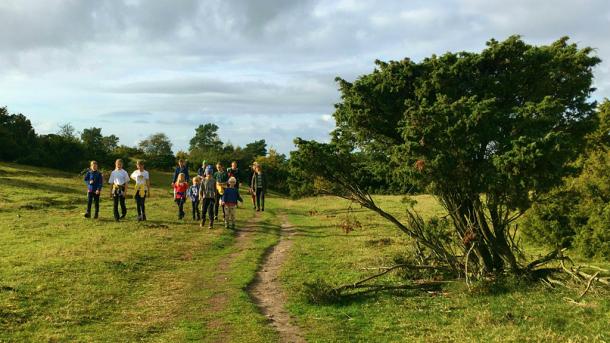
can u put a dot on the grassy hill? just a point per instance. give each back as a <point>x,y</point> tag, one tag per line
<point>67,278</point>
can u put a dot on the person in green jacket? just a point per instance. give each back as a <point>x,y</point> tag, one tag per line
<point>258,185</point>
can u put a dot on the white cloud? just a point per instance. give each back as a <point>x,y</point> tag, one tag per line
<point>269,62</point>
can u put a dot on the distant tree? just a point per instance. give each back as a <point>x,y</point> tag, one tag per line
<point>158,150</point>
<point>17,136</point>
<point>256,148</point>
<point>67,131</point>
<point>206,138</point>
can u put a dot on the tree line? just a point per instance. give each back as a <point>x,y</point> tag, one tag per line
<point>70,150</point>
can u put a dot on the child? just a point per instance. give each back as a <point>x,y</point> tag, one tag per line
<point>229,201</point>
<point>119,180</point>
<point>142,188</point>
<point>182,168</point>
<point>94,181</point>
<point>207,194</point>
<point>221,182</point>
<point>193,193</point>
<point>180,188</point>
<point>259,186</point>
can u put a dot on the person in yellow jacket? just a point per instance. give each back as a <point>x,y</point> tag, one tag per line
<point>142,188</point>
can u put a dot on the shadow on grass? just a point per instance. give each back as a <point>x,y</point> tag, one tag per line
<point>40,186</point>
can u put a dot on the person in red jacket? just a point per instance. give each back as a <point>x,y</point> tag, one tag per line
<point>180,188</point>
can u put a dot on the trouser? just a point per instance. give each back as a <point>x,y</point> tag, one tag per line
<point>207,208</point>
<point>93,198</point>
<point>260,199</point>
<point>217,205</point>
<point>180,203</point>
<point>140,200</point>
<point>230,214</point>
<point>196,213</point>
<point>119,199</point>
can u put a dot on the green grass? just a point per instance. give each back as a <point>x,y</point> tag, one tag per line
<point>67,278</point>
<point>517,312</point>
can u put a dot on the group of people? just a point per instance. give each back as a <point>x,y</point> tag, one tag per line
<point>209,191</point>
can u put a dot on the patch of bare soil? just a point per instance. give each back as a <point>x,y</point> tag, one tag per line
<point>267,292</point>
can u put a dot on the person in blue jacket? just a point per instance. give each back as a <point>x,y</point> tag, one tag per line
<point>94,181</point>
<point>182,168</point>
<point>229,200</point>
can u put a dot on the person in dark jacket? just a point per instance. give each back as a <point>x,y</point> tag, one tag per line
<point>94,181</point>
<point>259,187</point>
<point>229,200</point>
<point>182,168</point>
<point>207,196</point>
<point>201,170</point>
<point>221,178</point>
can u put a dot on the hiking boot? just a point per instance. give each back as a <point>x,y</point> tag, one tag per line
<point>95,216</point>
<point>144,217</point>
<point>87,215</point>
<point>123,215</point>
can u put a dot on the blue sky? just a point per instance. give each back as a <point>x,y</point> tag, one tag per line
<point>258,69</point>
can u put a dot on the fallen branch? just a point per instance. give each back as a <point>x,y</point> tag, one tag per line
<point>588,286</point>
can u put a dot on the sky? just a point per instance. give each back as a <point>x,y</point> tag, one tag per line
<point>260,69</point>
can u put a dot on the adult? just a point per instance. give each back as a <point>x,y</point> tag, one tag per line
<point>234,172</point>
<point>259,185</point>
<point>250,189</point>
<point>182,168</point>
<point>201,170</point>
<point>221,178</point>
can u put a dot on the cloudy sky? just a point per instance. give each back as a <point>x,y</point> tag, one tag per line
<point>260,69</point>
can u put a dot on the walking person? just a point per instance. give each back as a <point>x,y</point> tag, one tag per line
<point>234,172</point>
<point>94,181</point>
<point>201,170</point>
<point>182,168</point>
<point>180,188</point>
<point>229,201</point>
<point>193,194</point>
<point>251,189</point>
<point>221,178</point>
<point>207,196</point>
<point>119,179</point>
<point>142,189</point>
<point>259,186</point>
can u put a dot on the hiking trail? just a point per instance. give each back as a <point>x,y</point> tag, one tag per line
<point>266,289</point>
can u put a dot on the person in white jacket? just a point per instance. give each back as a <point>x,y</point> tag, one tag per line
<point>119,179</point>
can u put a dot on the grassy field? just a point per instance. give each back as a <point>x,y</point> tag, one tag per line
<point>67,278</point>
<point>518,312</point>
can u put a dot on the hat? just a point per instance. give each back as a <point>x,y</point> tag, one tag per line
<point>208,170</point>
<point>232,180</point>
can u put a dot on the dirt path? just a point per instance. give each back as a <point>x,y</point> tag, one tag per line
<point>267,291</point>
<point>218,302</point>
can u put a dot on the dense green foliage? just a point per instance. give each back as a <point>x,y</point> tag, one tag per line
<point>577,214</point>
<point>486,133</point>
